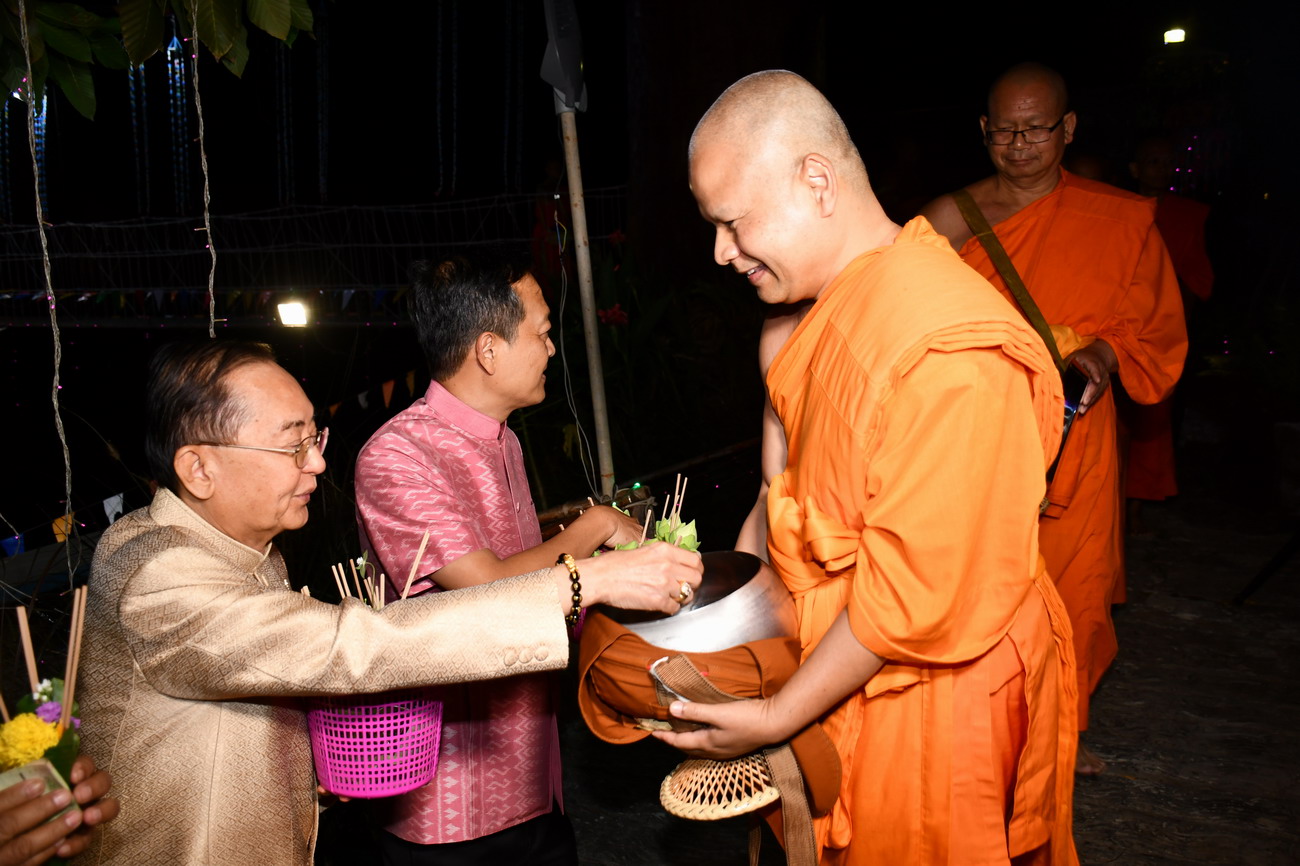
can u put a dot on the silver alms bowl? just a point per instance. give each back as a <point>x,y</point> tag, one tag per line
<point>741,599</point>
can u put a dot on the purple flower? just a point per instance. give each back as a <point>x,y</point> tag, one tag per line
<point>50,711</point>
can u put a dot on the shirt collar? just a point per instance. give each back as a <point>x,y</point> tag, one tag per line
<point>461,415</point>
<point>167,509</point>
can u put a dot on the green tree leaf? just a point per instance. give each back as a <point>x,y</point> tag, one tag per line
<point>68,15</point>
<point>108,51</point>
<point>273,16</point>
<point>300,15</point>
<point>74,79</point>
<point>142,28</point>
<point>237,57</point>
<point>69,43</point>
<point>219,22</point>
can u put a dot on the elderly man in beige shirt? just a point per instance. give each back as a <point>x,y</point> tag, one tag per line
<point>196,646</point>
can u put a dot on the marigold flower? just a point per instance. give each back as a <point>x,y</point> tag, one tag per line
<point>24,739</point>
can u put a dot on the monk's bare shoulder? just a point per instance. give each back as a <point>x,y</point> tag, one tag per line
<point>947,220</point>
<point>946,217</point>
<point>777,328</point>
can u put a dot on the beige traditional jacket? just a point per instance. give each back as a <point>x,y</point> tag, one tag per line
<point>196,654</point>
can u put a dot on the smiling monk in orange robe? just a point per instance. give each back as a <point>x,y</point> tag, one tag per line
<point>917,413</point>
<point>1093,261</point>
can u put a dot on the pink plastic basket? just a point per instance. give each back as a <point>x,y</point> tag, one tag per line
<point>368,749</point>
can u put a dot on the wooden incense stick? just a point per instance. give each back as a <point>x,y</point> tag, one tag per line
<point>342,588</point>
<point>681,497</point>
<point>72,640</point>
<point>70,683</point>
<point>74,656</point>
<point>4,711</point>
<point>356,579</point>
<point>383,588</point>
<point>415,566</point>
<point>645,529</point>
<point>30,656</point>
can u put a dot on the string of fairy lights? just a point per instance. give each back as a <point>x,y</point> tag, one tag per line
<point>139,97</point>
<point>179,115</point>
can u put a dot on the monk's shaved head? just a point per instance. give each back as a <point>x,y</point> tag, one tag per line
<point>1030,75</point>
<point>774,171</point>
<point>777,117</point>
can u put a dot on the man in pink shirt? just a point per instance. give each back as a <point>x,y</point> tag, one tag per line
<point>450,465</point>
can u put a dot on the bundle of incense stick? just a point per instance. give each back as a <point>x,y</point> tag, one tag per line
<point>75,630</point>
<point>673,507</point>
<point>370,589</point>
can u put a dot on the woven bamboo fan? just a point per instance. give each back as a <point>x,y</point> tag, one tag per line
<point>703,790</point>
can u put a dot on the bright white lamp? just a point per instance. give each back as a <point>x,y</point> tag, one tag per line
<point>293,314</point>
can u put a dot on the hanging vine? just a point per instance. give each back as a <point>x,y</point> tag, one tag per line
<point>207,187</point>
<point>29,94</point>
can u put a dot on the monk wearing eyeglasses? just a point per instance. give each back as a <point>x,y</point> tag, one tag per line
<point>1093,261</point>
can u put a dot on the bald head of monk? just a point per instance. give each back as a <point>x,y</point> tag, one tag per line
<point>774,170</point>
<point>1028,101</point>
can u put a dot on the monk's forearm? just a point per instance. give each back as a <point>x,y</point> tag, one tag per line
<point>839,665</point>
<point>753,532</point>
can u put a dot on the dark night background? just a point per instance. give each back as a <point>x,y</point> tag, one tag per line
<point>393,107</point>
<point>399,129</point>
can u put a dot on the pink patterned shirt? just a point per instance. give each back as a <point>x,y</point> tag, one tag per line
<point>442,466</point>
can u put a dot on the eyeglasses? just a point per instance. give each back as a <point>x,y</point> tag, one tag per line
<point>1033,135</point>
<point>299,451</point>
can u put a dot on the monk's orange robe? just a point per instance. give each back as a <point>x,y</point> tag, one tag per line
<point>919,410</point>
<point>1150,471</point>
<point>1093,260</point>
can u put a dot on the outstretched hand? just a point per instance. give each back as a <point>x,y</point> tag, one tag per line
<point>622,528</point>
<point>647,578</point>
<point>736,728</point>
<point>1097,361</point>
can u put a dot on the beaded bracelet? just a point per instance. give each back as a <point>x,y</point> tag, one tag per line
<point>575,584</point>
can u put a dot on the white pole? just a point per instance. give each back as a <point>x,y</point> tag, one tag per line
<point>586,290</point>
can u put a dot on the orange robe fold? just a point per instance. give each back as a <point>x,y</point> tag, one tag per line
<point>919,410</point>
<point>1150,471</point>
<point>1093,260</point>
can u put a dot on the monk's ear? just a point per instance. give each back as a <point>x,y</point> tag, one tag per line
<point>818,174</point>
<point>485,352</point>
<point>194,471</point>
<point>984,127</point>
<point>1070,120</point>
